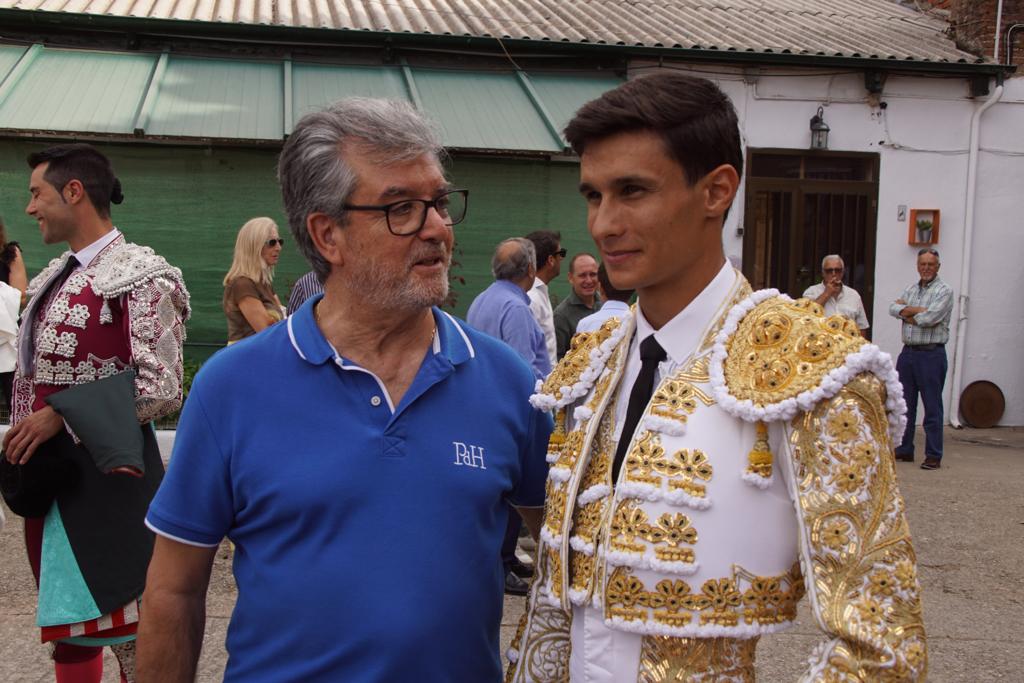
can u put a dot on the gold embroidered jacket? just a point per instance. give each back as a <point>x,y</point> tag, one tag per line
<point>761,469</point>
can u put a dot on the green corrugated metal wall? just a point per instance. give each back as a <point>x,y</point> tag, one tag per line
<point>188,203</point>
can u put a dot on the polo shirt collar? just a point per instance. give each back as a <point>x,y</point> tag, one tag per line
<point>309,343</point>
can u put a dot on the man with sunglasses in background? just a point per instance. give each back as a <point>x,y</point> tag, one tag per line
<point>550,254</point>
<point>835,297</point>
<point>366,471</point>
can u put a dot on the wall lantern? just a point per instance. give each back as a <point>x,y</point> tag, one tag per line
<point>819,130</point>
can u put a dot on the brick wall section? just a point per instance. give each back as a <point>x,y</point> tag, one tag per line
<point>974,24</point>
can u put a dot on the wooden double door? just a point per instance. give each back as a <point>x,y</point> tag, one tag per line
<point>801,206</point>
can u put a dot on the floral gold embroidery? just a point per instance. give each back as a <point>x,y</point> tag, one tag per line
<point>673,530</point>
<point>757,600</point>
<point>570,450</point>
<point>783,348</point>
<point>625,595</point>
<point>674,660</point>
<point>628,523</point>
<point>693,465</point>
<point>844,426</point>
<point>861,560</point>
<point>640,461</point>
<point>554,507</point>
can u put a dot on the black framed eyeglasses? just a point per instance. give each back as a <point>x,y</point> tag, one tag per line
<point>274,242</point>
<point>561,252</point>
<point>408,216</point>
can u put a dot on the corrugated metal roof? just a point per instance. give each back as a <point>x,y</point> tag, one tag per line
<point>852,28</point>
<point>166,95</point>
<point>213,98</point>
<point>315,85</point>
<point>75,90</point>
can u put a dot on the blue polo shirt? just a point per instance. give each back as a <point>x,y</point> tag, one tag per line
<point>367,538</point>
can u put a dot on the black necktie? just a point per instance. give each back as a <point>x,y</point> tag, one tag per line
<point>651,354</point>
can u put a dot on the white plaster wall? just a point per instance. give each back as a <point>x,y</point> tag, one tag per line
<point>922,137</point>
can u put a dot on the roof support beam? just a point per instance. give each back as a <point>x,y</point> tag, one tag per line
<point>19,70</point>
<point>151,94</point>
<point>410,85</point>
<point>289,101</point>
<point>531,92</point>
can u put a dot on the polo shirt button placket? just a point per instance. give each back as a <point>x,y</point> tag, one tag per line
<point>375,401</point>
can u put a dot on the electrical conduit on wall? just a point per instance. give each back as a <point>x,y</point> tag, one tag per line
<point>965,267</point>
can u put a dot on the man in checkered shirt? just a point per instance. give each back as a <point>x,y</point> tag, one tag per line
<point>925,308</point>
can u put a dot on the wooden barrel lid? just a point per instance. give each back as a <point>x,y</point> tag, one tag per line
<point>982,404</point>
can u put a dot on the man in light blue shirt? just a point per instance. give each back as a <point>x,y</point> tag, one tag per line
<point>503,309</point>
<point>616,303</point>
<point>503,312</point>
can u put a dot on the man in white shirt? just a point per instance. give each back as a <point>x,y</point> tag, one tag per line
<point>616,303</point>
<point>549,265</point>
<point>835,297</point>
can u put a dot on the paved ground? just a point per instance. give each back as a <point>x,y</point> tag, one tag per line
<point>968,526</point>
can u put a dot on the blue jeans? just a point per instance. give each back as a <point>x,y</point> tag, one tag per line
<point>923,372</point>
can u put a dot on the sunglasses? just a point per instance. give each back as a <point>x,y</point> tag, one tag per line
<point>274,243</point>
<point>561,252</point>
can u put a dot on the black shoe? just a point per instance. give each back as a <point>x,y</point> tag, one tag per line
<point>514,585</point>
<point>931,464</point>
<point>523,571</point>
<point>905,457</point>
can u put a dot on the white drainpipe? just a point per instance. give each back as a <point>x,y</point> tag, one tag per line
<point>999,23</point>
<point>965,267</point>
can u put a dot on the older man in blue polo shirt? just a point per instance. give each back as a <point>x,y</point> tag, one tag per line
<point>363,457</point>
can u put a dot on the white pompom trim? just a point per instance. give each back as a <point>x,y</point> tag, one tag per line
<point>596,492</point>
<point>642,491</point>
<point>552,458</point>
<point>582,414</point>
<point>512,655</point>
<point>757,480</point>
<point>578,597</point>
<point>652,628</point>
<point>551,539</point>
<point>685,499</point>
<point>598,358</point>
<point>581,546</point>
<point>664,425</point>
<point>559,474</point>
<point>649,560</point>
<point>868,358</point>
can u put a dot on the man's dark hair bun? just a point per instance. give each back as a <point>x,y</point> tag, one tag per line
<point>116,196</point>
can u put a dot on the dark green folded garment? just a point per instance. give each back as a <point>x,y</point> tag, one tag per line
<point>102,415</point>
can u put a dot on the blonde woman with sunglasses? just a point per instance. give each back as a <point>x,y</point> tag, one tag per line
<point>250,303</point>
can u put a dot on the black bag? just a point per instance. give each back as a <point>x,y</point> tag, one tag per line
<point>30,489</point>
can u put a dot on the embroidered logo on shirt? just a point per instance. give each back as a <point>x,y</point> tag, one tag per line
<point>469,455</point>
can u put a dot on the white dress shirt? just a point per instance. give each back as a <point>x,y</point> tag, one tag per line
<point>540,306</point>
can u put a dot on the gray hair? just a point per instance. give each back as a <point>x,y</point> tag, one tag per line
<point>930,250</point>
<point>833,257</point>
<point>313,174</point>
<point>516,264</point>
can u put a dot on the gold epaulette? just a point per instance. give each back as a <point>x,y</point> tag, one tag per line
<point>570,378</point>
<point>782,348</point>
